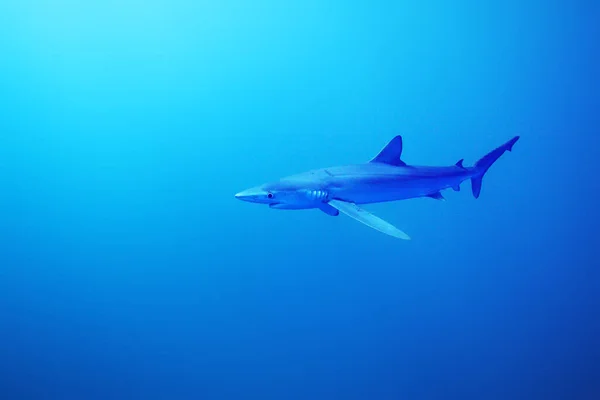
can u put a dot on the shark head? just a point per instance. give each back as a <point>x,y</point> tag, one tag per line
<point>258,194</point>
<point>284,195</point>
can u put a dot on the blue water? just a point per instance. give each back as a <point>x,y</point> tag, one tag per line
<point>129,271</point>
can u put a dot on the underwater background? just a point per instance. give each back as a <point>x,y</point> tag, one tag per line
<point>128,270</point>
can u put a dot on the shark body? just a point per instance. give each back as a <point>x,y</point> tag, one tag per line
<point>385,178</point>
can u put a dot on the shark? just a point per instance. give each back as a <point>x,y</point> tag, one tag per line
<point>386,177</point>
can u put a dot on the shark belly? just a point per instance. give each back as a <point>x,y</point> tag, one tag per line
<point>383,189</point>
<point>381,194</point>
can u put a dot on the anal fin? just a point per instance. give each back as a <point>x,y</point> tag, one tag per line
<point>365,217</point>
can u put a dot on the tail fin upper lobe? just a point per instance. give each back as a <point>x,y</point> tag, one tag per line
<point>486,162</point>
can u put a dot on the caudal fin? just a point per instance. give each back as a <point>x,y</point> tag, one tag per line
<point>486,162</point>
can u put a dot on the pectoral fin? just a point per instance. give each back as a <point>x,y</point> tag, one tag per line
<point>354,211</point>
<point>329,210</point>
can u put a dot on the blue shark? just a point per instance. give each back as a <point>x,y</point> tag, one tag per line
<point>384,178</point>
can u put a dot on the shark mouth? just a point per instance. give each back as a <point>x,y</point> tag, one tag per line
<point>284,206</point>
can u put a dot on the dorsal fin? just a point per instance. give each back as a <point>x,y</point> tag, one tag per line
<point>391,153</point>
<point>460,163</point>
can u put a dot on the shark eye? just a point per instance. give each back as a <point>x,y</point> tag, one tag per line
<point>270,195</point>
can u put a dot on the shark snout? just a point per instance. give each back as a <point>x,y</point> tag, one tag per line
<point>243,195</point>
<point>254,195</point>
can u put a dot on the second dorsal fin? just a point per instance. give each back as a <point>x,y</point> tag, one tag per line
<point>391,153</point>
